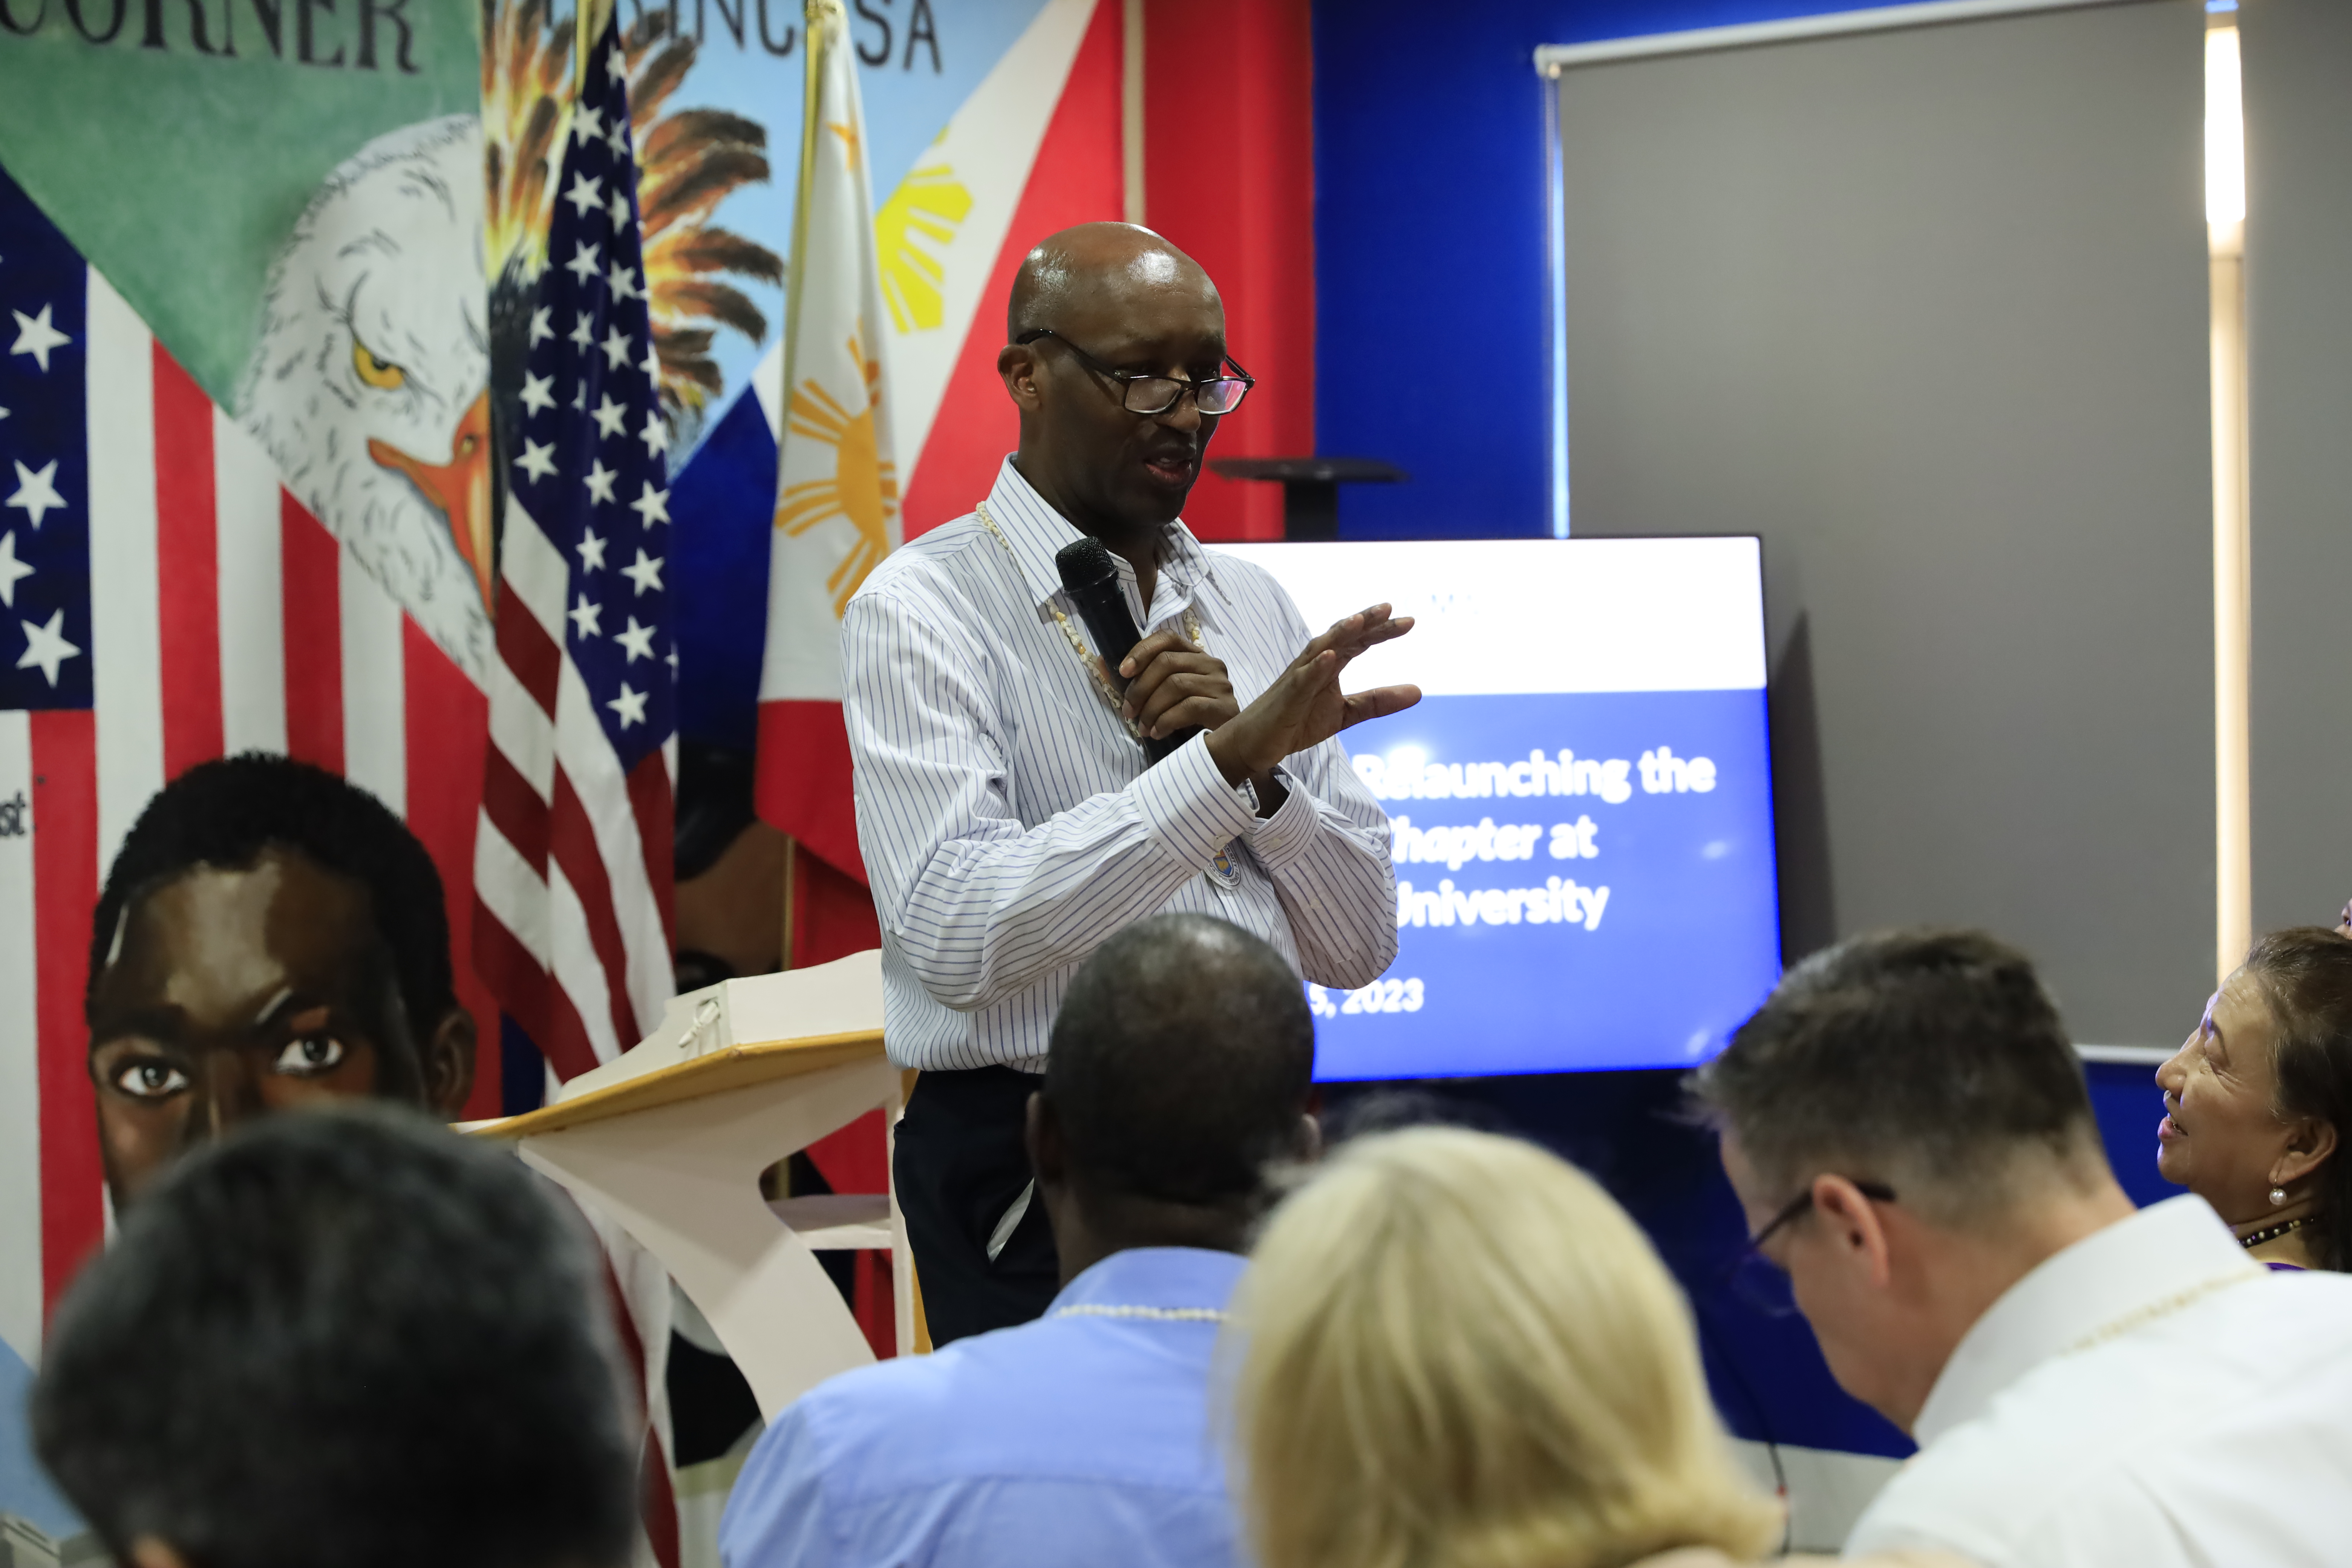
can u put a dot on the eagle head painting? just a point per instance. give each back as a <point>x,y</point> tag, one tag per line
<point>370,384</point>
<point>375,384</point>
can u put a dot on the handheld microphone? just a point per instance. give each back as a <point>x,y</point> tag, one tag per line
<point>1091,578</point>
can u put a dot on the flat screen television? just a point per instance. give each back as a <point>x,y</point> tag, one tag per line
<point>1580,808</point>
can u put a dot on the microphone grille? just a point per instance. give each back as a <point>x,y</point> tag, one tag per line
<point>1085,563</point>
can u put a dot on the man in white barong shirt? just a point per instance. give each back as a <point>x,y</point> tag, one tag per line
<point>1007,818</point>
<point>1907,1128</point>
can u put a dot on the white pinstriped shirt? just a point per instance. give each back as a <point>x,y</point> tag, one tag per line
<point>1008,823</point>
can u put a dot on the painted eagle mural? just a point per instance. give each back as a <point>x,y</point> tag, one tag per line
<point>395,317</point>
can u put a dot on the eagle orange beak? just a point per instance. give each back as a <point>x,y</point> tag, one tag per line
<point>460,488</point>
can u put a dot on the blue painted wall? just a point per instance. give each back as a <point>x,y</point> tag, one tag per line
<point>1430,292</point>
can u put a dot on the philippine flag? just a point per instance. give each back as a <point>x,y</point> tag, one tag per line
<point>895,421</point>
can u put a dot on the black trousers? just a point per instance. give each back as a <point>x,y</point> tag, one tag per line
<point>960,1168</point>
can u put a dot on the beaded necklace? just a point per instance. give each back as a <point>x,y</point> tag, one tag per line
<point>1093,665</point>
<point>2164,1307</point>
<point>2272,1232</point>
<point>1157,1314</point>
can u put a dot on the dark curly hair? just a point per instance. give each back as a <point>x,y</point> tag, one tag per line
<point>225,813</point>
<point>2305,976</point>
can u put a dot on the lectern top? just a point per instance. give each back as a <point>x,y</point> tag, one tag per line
<point>726,1036</point>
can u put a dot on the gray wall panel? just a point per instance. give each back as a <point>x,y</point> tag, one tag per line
<point>1926,310</point>
<point>2298,80</point>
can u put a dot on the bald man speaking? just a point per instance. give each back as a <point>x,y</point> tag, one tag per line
<point>1010,821</point>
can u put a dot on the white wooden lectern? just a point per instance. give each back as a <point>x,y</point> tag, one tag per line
<point>669,1140</point>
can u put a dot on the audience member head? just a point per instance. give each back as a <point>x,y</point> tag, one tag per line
<point>1180,1068</point>
<point>1907,1125</point>
<point>2260,1096</point>
<point>342,1337</point>
<point>1456,1350</point>
<point>1131,301</point>
<point>270,936</point>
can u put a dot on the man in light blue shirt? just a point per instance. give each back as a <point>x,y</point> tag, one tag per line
<point>1178,1069</point>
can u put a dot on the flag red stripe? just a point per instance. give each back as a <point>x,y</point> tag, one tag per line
<point>65,901</point>
<point>659,1510</point>
<point>313,592</point>
<point>187,565</point>
<point>803,786</point>
<point>535,658</point>
<point>650,802</point>
<point>515,809</point>
<point>447,723</point>
<point>530,997</point>
<point>660,1504</point>
<point>566,1044</point>
<point>513,976</point>
<point>571,844</point>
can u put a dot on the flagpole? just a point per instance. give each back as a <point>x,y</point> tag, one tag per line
<point>588,18</point>
<point>791,867</point>
<point>824,20</point>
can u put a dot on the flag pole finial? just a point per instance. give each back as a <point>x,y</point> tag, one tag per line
<point>588,18</point>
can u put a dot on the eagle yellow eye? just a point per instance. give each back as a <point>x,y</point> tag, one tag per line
<point>373,371</point>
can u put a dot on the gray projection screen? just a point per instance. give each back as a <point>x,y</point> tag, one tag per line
<point>1927,308</point>
<point>2299,85</point>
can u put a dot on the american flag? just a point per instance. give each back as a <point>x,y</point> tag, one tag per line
<point>572,860</point>
<point>168,600</point>
<point>188,607</point>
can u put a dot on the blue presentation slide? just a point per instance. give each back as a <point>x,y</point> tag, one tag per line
<point>1583,880</point>
<point>1580,807</point>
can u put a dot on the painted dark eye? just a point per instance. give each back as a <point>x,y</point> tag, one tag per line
<point>149,1080</point>
<point>309,1056</point>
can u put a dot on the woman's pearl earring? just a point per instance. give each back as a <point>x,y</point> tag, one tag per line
<point>2278,1197</point>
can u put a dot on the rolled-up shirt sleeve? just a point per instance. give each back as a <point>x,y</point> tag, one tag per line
<point>1327,851</point>
<point>977,905</point>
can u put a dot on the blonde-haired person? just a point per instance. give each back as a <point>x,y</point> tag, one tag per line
<point>1455,1351</point>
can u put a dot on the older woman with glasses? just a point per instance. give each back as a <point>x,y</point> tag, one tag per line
<point>2258,1101</point>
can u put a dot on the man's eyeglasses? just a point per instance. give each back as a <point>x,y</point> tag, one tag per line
<point>1142,393</point>
<point>1764,1284</point>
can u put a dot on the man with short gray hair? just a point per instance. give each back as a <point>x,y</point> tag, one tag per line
<point>1908,1131</point>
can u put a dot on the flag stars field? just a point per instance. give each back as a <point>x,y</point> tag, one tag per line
<point>607,444</point>
<point>13,570</point>
<point>37,491</point>
<point>638,641</point>
<point>37,337</point>
<point>45,649</point>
